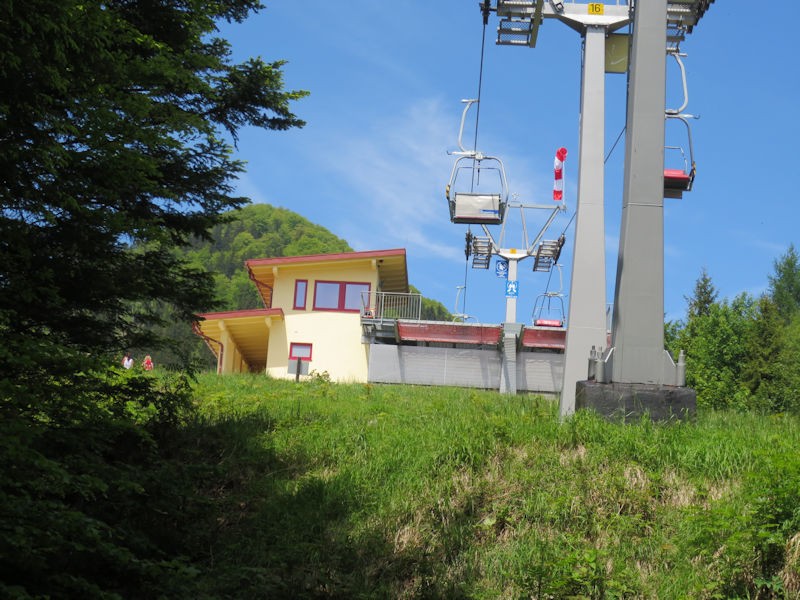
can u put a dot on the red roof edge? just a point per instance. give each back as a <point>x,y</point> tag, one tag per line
<point>288,260</point>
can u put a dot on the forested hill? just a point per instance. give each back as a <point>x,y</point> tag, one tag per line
<point>265,231</point>
<point>257,231</point>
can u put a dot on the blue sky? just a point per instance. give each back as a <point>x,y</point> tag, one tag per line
<point>386,80</point>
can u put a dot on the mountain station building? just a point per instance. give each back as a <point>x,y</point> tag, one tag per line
<point>352,317</point>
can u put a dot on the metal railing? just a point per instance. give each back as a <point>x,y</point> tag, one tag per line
<point>391,305</point>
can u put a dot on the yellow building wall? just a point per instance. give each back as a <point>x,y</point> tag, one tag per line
<point>232,360</point>
<point>335,336</point>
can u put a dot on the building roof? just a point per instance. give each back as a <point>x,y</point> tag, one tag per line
<point>391,265</point>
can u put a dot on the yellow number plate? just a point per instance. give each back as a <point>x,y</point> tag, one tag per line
<point>596,8</point>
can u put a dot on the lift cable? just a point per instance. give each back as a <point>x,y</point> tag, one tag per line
<point>485,10</point>
<point>615,144</point>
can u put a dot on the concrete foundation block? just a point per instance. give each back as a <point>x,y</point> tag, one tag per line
<point>628,402</point>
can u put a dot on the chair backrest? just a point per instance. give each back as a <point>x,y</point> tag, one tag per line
<point>477,208</point>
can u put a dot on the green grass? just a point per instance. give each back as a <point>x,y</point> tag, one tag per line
<point>368,491</point>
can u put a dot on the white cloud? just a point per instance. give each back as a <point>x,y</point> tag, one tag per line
<point>393,178</point>
<point>245,186</point>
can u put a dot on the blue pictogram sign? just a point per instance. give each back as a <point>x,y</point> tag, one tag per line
<point>501,268</point>
<point>512,289</point>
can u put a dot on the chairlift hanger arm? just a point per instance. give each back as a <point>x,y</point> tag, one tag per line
<point>677,111</point>
<point>678,181</point>
<point>464,151</point>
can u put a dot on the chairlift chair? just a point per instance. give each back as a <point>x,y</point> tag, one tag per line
<point>677,181</point>
<point>469,202</point>
<point>548,310</point>
<point>477,193</point>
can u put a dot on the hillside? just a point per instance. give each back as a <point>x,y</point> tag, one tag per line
<point>368,491</point>
<point>272,489</point>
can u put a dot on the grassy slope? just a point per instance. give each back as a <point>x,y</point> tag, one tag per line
<point>388,491</point>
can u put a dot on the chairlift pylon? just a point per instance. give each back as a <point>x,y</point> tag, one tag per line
<point>472,199</point>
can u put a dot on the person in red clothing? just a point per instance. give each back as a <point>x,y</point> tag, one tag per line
<point>147,363</point>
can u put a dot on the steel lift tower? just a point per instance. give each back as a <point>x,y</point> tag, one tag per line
<point>635,374</point>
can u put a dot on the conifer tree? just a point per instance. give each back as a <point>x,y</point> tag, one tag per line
<point>112,115</point>
<point>704,295</point>
<point>784,284</point>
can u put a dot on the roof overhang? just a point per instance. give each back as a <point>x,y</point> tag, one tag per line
<point>247,329</point>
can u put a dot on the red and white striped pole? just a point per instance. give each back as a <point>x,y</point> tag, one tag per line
<point>558,168</point>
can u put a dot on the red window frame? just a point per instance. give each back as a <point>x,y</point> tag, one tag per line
<point>295,345</point>
<point>342,295</point>
<point>297,284</point>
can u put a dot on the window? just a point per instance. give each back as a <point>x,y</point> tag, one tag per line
<point>326,296</point>
<point>300,289</point>
<point>299,351</point>
<point>339,295</point>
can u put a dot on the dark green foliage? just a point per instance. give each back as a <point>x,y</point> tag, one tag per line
<point>112,116</point>
<point>773,369</point>
<point>773,373</point>
<point>92,504</point>
<point>784,284</point>
<point>432,310</point>
<point>109,119</point>
<point>704,296</point>
<point>715,344</point>
<point>773,366</point>
<point>760,373</point>
<point>743,353</point>
<point>257,231</point>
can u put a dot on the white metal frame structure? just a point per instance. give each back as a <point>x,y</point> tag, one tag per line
<point>479,208</point>
<point>520,21</point>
